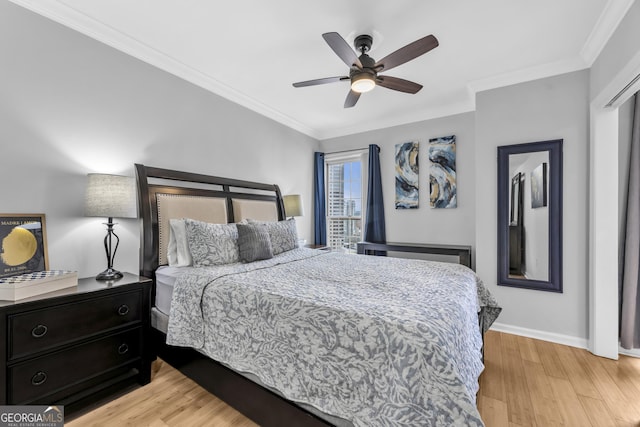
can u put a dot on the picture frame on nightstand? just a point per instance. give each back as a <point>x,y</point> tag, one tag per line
<point>23,244</point>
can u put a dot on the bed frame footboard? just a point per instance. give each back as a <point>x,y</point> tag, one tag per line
<point>254,401</point>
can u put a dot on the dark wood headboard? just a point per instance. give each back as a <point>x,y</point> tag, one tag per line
<point>154,181</point>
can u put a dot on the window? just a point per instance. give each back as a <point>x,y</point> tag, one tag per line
<point>344,202</point>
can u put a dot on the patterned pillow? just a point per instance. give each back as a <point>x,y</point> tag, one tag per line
<point>253,242</point>
<point>212,244</point>
<point>283,234</point>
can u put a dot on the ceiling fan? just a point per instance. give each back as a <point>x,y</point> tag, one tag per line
<point>363,70</point>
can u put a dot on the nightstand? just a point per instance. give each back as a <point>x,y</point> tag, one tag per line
<point>75,346</point>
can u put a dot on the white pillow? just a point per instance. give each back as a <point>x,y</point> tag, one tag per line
<point>178,254</point>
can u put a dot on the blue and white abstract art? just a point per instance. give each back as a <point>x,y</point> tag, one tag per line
<point>407,175</point>
<point>442,172</point>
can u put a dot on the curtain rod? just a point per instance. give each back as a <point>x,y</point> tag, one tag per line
<point>349,151</point>
<point>624,89</point>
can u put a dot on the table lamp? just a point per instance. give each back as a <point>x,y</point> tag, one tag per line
<point>110,196</point>
<point>293,205</point>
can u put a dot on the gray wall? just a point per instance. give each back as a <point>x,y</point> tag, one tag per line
<point>70,105</point>
<point>423,225</point>
<point>550,108</point>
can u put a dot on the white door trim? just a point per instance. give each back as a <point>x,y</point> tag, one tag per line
<point>603,211</point>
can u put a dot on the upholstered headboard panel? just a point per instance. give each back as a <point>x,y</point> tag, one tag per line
<point>172,206</point>
<point>164,194</point>
<point>254,209</point>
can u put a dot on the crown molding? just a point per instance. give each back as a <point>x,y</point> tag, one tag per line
<point>527,75</point>
<point>613,13</point>
<point>415,117</point>
<point>71,18</point>
<point>621,87</point>
<point>501,80</point>
<point>608,21</point>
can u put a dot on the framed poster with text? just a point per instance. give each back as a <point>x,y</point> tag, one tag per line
<point>23,244</point>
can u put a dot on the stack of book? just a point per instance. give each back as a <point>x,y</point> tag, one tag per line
<point>40,282</point>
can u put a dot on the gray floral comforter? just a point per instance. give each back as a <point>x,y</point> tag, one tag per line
<point>374,340</point>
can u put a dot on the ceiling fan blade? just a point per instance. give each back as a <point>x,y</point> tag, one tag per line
<point>342,49</point>
<point>407,53</point>
<point>320,81</point>
<point>395,83</point>
<point>352,98</point>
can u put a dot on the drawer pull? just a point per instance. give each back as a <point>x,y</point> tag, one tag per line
<point>123,349</point>
<point>39,378</point>
<point>39,331</point>
<point>123,310</point>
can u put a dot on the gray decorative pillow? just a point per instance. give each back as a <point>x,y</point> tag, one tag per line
<point>253,242</point>
<point>212,244</point>
<point>283,234</point>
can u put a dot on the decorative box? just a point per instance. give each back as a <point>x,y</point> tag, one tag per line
<point>40,282</point>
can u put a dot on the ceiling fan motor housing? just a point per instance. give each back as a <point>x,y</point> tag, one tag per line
<point>367,61</point>
<point>365,71</point>
<point>363,43</point>
<point>368,71</point>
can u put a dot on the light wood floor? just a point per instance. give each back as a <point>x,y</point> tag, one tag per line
<point>526,383</point>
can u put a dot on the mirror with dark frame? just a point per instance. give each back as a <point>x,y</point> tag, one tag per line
<point>530,215</point>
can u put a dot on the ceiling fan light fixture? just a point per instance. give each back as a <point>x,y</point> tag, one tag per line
<point>363,69</point>
<point>363,82</point>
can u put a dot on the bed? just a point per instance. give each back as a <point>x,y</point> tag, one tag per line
<point>308,337</point>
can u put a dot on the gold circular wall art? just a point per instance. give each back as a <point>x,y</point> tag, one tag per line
<point>18,247</point>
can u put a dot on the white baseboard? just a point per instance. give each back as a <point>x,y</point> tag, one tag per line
<point>541,335</point>
<point>632,353</point>
<point>553,337</point>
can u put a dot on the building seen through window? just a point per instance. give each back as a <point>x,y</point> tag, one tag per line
<point>344,205</point>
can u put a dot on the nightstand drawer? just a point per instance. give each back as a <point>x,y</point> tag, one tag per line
<point>38,330</point>
<point>51,374</point>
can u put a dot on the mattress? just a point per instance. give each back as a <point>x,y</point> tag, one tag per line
<point>165,280</point>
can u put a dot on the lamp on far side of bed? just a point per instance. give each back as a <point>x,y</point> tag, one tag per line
<point>293,205</point>
<point>110,196</point>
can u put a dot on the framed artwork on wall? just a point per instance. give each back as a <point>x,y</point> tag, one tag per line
<point>23,244</point>
<point>442,172</point>
<point>407,169</point>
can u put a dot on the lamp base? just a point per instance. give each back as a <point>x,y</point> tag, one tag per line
<point>109,274</point>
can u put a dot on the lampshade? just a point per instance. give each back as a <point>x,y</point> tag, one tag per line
<point>293,205</point>
<point>110,196</point>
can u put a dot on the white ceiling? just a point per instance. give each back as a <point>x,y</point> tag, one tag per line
<point>251,51</point>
